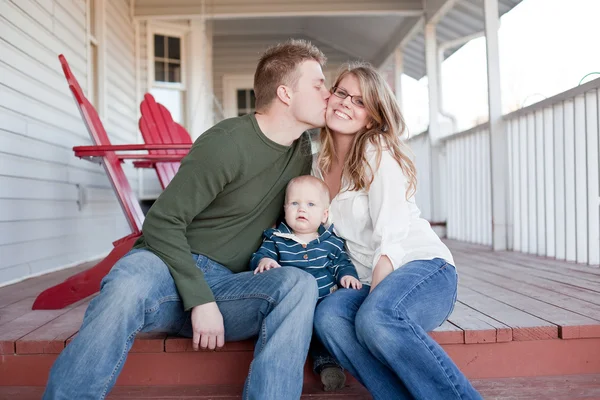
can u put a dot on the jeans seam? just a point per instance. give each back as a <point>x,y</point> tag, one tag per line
<point>423,280</point>
<point>443,367</point>
<point>247,384</point>
<point>124,353</point>
<point>246,297</point>
<point>161,302</point>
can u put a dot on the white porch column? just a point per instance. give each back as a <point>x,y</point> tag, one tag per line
<point>498,139</point>
<point>398,70</point>
<point>433,75</point>
<point>199,104</point>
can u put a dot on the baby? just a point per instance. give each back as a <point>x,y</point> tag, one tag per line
<point>302,241</point>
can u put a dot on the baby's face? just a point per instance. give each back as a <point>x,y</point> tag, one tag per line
<point>305,208</point>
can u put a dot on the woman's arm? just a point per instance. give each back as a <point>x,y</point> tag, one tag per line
<point>390,215</point>
<point>382,269</point>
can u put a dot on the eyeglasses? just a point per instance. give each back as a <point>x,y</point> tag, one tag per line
<point>342,94</point>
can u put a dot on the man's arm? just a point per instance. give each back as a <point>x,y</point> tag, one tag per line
<point>211,164</point>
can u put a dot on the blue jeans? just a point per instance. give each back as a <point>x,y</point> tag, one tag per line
<point>381,338</point>
<point>139,295</point>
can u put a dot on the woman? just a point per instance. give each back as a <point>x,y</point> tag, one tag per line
<point>379,333</point>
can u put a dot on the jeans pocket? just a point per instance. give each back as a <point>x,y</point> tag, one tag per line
<point>203,263</point>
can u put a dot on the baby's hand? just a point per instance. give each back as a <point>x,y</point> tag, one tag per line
<point>348,281</point>
<point>266,264</point>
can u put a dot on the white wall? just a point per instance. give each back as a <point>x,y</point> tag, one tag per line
<point>42,226</point>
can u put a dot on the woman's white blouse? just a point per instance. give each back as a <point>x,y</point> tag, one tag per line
<point>381,221</point>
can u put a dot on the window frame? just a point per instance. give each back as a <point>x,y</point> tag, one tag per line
<point>156,28</point>
<point>231,85</point>
<point>96,95</point>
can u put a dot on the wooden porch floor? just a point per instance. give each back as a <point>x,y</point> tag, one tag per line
<point>516,316</point>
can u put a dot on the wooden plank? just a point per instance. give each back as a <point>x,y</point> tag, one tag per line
<point>589,272</point>
<point>569,387</point>
<point>540,187</point>
<point>534,286</point>
<point>174,344</point>
<point>529,276</point>
<point>487,194</point>
<point>448,333</point>
<point>569,150</point>
<point>21,326</point>
<point>549,172</point>
<point>559,181</point>
<point>572,325</point>
<point>50,338</point>
<point>478,327</point>
<point>593,154</point>
<point>33,286</point>
<point>524,325</point>
<point>531,186</point>
<point>152,342</point>
<point>15,310</point>
<point>512,182</point>
<point>581,197</point>
<point>523,179</point>
<point>572,277</point>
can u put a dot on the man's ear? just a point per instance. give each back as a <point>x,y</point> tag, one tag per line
<point>283,93</point>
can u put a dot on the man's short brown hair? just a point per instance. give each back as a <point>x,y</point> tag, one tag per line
<point>278,66</point>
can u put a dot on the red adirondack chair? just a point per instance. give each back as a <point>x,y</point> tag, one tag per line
<point>110,156</point>
<point>157,127</point>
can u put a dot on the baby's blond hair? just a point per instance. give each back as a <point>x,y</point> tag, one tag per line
<point>311,180</point>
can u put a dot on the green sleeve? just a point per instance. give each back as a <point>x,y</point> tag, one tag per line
<point>212,163</point>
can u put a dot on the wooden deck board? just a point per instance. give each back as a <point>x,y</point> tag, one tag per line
<point>503,297</point>
<point>524,325</point>
<point>478,327</point>
<point>570,387</point>
<point>51,337</point>
<point>33,286</point>
<point>551,293</point>
<point>528,275</point>
<point>571,325</point>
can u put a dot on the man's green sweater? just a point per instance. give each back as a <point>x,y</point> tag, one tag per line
<point>229,189</point>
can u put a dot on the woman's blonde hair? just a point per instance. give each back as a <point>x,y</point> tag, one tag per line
<point>383,130</point>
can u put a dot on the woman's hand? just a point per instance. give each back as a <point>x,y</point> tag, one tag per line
<point>348,281</point>
<point>383,268</point>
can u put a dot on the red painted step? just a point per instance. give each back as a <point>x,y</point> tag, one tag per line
<point>570,387</point>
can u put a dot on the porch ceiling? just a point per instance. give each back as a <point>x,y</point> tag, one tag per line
<point>464,19</point>
<point>357,37</point>
<point>365,30</point>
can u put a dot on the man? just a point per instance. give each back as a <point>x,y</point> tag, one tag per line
<point>184,275</point>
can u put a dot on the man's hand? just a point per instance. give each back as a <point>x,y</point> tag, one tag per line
<point>383,268</point>
<point>348,281</point>
<point>207,325</point>
<point>266,264</point>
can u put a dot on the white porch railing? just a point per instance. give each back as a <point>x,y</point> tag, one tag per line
<point>553,179</point>
<point>554,187</point>
<point>469,207</point>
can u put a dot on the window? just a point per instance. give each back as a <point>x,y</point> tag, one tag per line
<point>167,59</point>
<point>167,70</point>
<point>94,24</point>
<point>246,102</point>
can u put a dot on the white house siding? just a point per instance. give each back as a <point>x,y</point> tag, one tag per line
<point>238,55</point>
<point>43,226</point>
